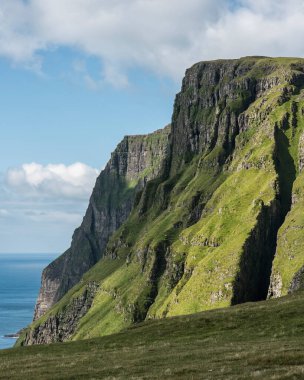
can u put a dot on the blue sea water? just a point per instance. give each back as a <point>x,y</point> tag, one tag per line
<point>19,286</point>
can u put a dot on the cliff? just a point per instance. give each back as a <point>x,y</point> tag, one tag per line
<point>136,160</point>
<point>208,228</point>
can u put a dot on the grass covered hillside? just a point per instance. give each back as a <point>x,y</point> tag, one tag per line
<point>262,340</point>
<point>203,233</point>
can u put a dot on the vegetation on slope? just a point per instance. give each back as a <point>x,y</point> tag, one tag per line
<point>261,340</point>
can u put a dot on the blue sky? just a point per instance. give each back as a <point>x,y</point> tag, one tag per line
<point>78,75</point>
<point>56,118</point>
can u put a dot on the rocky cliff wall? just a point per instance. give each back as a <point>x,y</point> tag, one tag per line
<point>62,325</point>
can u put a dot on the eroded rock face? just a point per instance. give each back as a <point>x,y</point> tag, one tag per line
<point>301,153</point>
<point>136,160</point>
<point>61,326</point>
<point>206,111</point>
<point>297,282</point>
<point>275,287</point>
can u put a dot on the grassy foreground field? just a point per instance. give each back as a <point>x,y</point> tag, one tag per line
<point>262,340</point>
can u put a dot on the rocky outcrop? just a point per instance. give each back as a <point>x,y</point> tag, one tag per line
<point>275,286</point>
<point>62,325</point>
<point>297,282</point>
<point>301,152</point>
<point>212,97</point>
<point>136,160</point>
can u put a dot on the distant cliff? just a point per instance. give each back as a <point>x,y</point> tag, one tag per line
<point>136,160</point>
<point>217,221</point>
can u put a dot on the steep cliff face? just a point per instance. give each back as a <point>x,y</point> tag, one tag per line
<point>136,160</point>
<point>203,231</point>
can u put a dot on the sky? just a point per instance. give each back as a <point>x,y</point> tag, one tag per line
<point>78,75</point>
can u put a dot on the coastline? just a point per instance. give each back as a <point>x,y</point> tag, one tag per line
<point>20,276</point>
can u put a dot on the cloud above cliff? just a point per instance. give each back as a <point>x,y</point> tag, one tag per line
<point>41,205</point>
<point>164,37</point>
<point>67,181</point>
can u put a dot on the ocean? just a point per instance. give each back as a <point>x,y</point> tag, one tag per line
<point>19,286</point>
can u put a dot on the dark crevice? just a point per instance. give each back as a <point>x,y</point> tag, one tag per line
<point>286,169</point>
<point>196,207</point>
<point>214,139</point>
<point>253,279</point>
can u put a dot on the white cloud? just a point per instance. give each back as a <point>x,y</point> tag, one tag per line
<point>155,34</point>
<point>272,28</point>
<point>162,36</point>
<point>42,205</point>
<point>73,181</point>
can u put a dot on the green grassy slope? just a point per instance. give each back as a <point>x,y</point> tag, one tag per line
<point>262,340</point>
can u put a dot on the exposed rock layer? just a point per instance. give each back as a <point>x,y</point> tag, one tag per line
<point>62,325</point>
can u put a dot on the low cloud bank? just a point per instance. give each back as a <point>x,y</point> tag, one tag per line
<point>73,181</point>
